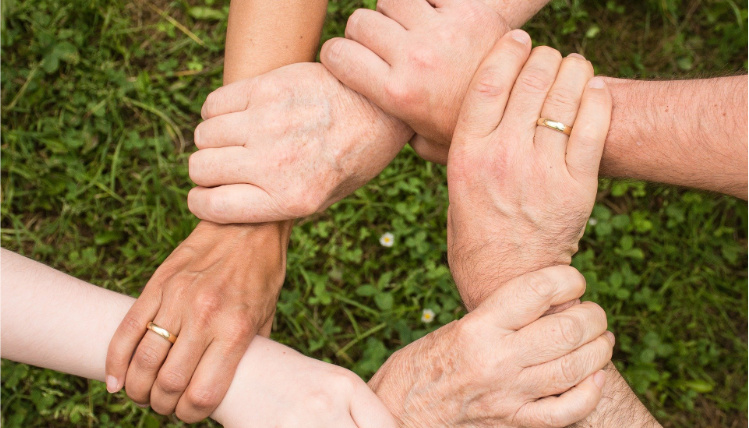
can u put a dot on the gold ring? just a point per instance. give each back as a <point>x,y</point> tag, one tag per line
<point>162,332</point>
<point>557,126</point>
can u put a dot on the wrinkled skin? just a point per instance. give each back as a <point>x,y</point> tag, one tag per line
<point>502,364</point>
<point>285,145</point>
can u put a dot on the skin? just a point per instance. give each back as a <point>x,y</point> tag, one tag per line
<point>218,289</point>
<point>55,321</point>
<point>678,133</point>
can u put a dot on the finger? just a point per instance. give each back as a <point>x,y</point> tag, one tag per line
<point>563,373</point>
<point>176,372</point>
<point>127,337</point>
<point>585,147</point>
<point>210,381</point>
<point>223,131</point>
<point>485,101</point>
<point>231,98</point>
<point>234,203</point>
<point>407,13</point>
<point>429,150</point>
<point>368,411</point>
<point>376,32</point>
<point>149,356</point>
<point>568,408</point>
<point>561,105</point>
<point>356,67</point>
<point>525,299</point>
<point>530,91</point>
<point>559,334</point>
<point>226,165</point>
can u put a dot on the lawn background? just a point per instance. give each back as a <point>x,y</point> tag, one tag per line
<point>99,100</point>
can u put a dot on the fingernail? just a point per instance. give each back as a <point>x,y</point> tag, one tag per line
<point>196,137</point>
<point>521,36</point>
<point>596,83</point>
<point>112,384</point>
<point>142,406</point>
<point>576,55</point>
<point>611,337</point>
<point>599,378</point>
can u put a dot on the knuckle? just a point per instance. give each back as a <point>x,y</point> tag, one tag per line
<point>489,82</point>
<point>540,285</point>
<point>400,94</point>
<point>534,80</point>
<point>147,357</point>
<point>562,99</point>
<point>202,399</point>
<point>172,381</point>
<point>205,306</point>
<point>569,371</point>
<point>569,329</point>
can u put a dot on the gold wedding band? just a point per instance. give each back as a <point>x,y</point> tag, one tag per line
<point>557,126</point>
<point>162,332</point>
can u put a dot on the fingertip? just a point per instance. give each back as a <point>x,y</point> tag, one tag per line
<point>599,379</point>
<point>520,36</point>
<point>330,52</point>
<point>596,83</point>
<point>113,384</point>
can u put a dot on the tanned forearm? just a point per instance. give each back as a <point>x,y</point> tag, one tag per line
<point>267,34</point>
<point>689,133</point>
<point>264,35</point>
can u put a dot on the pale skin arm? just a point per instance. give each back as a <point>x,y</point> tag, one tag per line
<point>55,321</point>
<point>244,262</point>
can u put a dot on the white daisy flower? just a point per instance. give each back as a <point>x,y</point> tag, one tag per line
<point>592,221</point>
<point>427,316</point>
<point>387,239</point>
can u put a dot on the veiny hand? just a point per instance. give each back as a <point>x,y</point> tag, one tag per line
<point>520,194</point>
<point>415,61</point>
<point>504,364</point>
<point>215,292</point>
<point>285,145</point>
<point>278,387</point>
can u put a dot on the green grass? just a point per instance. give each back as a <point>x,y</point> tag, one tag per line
<point>99,102</point>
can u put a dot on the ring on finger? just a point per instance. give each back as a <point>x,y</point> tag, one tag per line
<point>162,332</point>
<point>553,124</point>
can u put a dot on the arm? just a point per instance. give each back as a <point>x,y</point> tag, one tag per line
<point>218,289</point>
<point>58,322</point>
<point>689,133</point>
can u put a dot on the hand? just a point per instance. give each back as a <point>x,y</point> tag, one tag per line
<point>215,291</point>
<point>276,386</point>
<point>521,194</point>
<point>285,145</point>
<point>415,61</point>
<point>504,363</point>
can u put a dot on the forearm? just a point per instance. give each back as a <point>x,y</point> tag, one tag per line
<point>619,406</point>
<point>58,322</point>
<point>264,35</point>
<point>689,133</point>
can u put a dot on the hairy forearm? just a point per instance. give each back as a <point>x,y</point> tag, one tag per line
<point>688,133</point>
<point>619,406</point>
<point>264,35</point>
